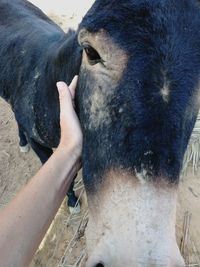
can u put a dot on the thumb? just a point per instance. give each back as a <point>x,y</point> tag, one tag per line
<point>72,86</point>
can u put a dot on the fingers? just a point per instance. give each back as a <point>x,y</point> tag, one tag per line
<point>69,124</point>
<point>62,88</point>
<point>72,86</point>
<point>64,95</point>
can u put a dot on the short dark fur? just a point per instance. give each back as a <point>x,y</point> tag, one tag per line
<point>162,40</point>
<point>35,53</point>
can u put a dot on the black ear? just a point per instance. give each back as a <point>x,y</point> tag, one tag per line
<point>198,2</point>
<point>68,57</point>
<point>70,33</point>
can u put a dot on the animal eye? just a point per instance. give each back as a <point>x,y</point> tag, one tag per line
<point>92,55</point>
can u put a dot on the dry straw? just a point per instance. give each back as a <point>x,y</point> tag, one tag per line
<point>192,155</point>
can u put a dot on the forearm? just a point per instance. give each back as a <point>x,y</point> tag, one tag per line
<point>25,220</point>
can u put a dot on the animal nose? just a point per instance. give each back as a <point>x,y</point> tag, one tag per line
<point>99,265</point>
<point>179,264</point>
<point>173,261</point>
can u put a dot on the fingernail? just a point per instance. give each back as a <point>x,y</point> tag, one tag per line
<point>59,83</point>
<point>75,77</point>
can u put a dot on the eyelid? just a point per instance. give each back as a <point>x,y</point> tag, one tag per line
<point>92,49</point>
<point>95,61</point>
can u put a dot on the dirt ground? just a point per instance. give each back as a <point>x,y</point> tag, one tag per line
<point>65,242</point>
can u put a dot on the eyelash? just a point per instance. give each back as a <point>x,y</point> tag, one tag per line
<point>92,55</point>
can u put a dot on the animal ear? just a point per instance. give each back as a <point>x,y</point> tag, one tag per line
<point>67,46</point>
<point>68,58</point>
<point>198,2</point>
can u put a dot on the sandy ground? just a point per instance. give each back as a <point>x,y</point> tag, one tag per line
<point>65,243</point>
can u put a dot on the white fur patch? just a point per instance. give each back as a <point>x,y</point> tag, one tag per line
<point>132,224</point>
<point>165,93</point>
<point>23,51</point>
<point>37,74</point>
<point>36,134</point>
<point>24,149</point>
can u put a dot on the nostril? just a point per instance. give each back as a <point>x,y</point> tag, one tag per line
<point>99,265</point>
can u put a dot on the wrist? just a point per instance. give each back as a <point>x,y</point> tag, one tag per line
<point>69,160</point>
<point>71,149</point>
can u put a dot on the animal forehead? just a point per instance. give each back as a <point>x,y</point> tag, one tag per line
<point>100,35</point>
<point>144,17</point>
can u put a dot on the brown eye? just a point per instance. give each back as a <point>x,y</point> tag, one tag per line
<point>92,55</point>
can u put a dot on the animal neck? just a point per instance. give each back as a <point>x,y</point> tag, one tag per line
<point>62,64</point>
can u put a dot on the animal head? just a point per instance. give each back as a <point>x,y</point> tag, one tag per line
<point>138,98</point>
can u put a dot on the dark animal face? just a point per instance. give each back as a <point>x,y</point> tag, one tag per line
<point>138,98</point>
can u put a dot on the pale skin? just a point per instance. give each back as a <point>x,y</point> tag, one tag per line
<point>25,220</point>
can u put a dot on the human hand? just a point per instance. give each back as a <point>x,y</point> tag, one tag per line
<point>71,134</point>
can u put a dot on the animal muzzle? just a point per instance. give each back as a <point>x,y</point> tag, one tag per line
<point>132,224</point>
